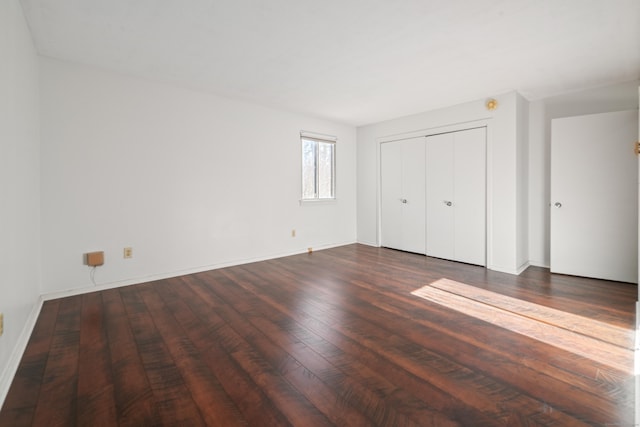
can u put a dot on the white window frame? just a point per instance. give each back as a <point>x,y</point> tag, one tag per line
<point>318,138</point>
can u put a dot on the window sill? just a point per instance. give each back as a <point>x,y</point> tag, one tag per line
<point>310,202</point>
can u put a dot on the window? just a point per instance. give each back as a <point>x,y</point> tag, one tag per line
<point>318,167</point>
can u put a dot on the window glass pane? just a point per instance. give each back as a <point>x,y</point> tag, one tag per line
<point>308,169</point>
<point>325,170</point>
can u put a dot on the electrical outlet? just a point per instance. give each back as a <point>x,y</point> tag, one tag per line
<point>293,233</point>
<point>1,324</point>
<point>127,252</point>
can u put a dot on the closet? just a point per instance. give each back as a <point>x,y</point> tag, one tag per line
<point>433,192</point>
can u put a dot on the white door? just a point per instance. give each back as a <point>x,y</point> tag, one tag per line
<point>391,194</point>
<point>470,195</point>
<point>440,218</point>
<point>594,196</point>
<point>456,196</point>
<point>403,195</point>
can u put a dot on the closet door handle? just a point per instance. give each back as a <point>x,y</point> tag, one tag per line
<point>447,202</point>
<point>403,200</point>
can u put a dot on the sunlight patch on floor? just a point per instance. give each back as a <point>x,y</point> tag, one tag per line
<point>598,341</point>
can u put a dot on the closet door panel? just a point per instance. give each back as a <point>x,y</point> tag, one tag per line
<point>413,193</point>
<point>439,206</point>
<point>391,194</point>
<point>470,196</point>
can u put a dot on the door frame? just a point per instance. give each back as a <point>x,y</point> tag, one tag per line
<point>636,352</point>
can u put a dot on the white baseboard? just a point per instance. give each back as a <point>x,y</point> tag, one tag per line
<point>168,275</point>
<point>375,245</point>
<point>501,269</point>
<point>11,368</point>
<point>539,264</point>
<point>516,271</point>
<point>523,267</point>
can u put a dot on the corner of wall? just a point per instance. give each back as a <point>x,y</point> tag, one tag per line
<point>20,166</point>
<point>10,369</point>
<point>522,176</point>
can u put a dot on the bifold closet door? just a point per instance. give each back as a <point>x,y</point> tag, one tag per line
<point>403,195</point>
<point>390,193</point>
<point>440,218</point>
<point>456,196</point>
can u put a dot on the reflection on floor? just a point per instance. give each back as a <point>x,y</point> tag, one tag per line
<point>607,344</point>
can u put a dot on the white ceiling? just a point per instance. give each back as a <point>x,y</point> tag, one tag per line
<point>353,61</point>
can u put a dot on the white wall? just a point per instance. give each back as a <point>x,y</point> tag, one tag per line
<point>522,188</point>
<point>617,97</point>
<point>507,153</point>
<point>19,186</point>
<point>189,180</point>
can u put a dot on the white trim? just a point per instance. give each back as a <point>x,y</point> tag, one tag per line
<point>488,182</point>
<point>320,136</point>
<point>310,202</point>
<point>317,142</point>
<point>167,275</point>
<point>435,130</point>
<point>539,264</point>
<point>372,244</point>
<point>516,272</point>
<point>11,368</point>
<point>378,192</point>
<point>523,267</point>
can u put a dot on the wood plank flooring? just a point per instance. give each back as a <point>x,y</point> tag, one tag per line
<point>329,338</point>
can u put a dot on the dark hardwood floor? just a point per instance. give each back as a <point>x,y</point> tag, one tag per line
<point>330,338</point>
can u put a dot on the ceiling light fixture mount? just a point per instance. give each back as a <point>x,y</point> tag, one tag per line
<point>491,104</point>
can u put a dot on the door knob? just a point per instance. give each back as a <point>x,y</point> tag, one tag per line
<point>558,205</point>
<point>447,202</point>
<point>403,200</point>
